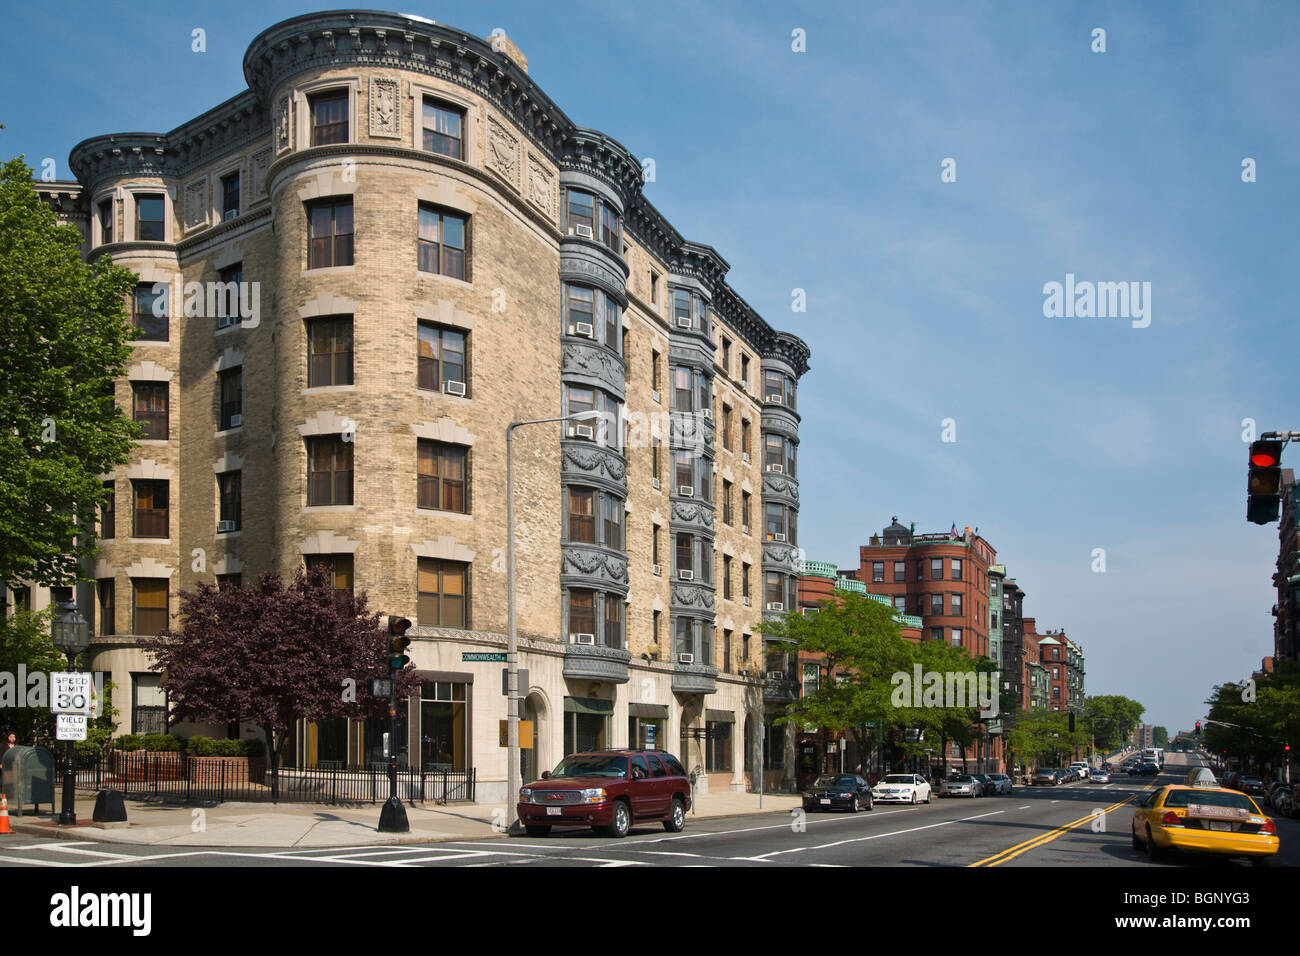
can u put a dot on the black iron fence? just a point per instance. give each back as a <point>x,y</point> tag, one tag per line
<point>184,778</point>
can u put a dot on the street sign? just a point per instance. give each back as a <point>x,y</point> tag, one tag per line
<point>468,657</point>
<point>381,688</point>
<point>70,727</point>
<point>525,734</point>
<point>70,694</point>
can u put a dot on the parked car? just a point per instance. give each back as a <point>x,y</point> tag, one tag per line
<point>1045,777</point>
<point>1277,797</point>
<point>962,785</point>
<point>608,790</point>
<point>987,787</point>
<point>844,791</point>
<point>901,788</point>
<point>1002,784</point>
<point>1251,785</point>
<point>1100,776</point>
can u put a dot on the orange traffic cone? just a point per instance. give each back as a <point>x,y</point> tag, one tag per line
<point>4,814</point>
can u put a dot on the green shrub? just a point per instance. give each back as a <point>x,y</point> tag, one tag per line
<point>162,742</point>
<point>252,748</point>
<point>130,742</point>
<point>201,746</point>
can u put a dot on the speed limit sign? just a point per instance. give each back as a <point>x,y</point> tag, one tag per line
<point>70,693</point>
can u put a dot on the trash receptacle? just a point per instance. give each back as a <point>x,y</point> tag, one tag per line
<point>28,778</point>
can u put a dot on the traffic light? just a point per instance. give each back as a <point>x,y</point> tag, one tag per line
<point>1198,728</point>
<point>1071,721</point>
<point>1264,481</point>
<point>398,642</point>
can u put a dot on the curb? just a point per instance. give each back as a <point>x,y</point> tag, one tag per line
<point>95,833</point>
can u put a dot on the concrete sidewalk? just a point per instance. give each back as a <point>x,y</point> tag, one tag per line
<point>317,825</point>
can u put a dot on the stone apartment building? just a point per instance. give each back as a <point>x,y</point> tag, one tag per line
<point>401,246</point>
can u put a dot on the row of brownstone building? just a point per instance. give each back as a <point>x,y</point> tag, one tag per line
<point>949,586</point>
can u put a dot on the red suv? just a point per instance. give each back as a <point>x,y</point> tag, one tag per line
<point>608,790</point>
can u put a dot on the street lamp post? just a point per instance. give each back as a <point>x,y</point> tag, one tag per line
<point>71,636</point>
<point>512,635</point>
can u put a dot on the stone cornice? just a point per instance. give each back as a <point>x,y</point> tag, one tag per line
<point>376,39</point>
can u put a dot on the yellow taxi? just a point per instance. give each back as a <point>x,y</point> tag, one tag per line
<point>1202,817</point>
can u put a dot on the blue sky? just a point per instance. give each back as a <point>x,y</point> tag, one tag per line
<point>821,171</point>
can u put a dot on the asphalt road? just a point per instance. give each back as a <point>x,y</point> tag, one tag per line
<point>1078,824</point>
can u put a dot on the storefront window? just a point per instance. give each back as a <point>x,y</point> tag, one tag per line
<point>444,740</point>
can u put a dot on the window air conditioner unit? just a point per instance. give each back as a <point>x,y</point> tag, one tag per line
<point>746,599</point>
<point>226,321</point>
<point>658,571</point>
<point>454,388</point>
<point>778,536</point>
<point>776,468</point>
<point>775,606</point>
<point>229,215</point>
<point>686,575</point>
<point>683,322</point>
<point>654,393</point>
<point>745,529</point>
<point>581,431</point>
<point>776,675</point>
<point>773,399</point>
<point>708,413</point>
<point>656,481</point>
<point>223,526</point>
<point>580,230</point>
<point>685,658</point>
<point>685,491</point>
<point>585,329</point>
<point>744,456</point>
<point>236,420</point>
<point>582,638</point>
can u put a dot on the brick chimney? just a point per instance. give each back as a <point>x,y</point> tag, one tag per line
<point>503,44</point>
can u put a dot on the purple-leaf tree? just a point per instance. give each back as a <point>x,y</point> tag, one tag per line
<point>275,655</point>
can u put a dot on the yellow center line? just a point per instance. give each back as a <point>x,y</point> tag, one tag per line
<point>1014,851</point>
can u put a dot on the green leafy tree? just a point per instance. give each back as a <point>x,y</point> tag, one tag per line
<point>859,648</point>
<point>64,339</point>
<point>1159,737</point>
<point>25,642</point>
<point>1110,720</point>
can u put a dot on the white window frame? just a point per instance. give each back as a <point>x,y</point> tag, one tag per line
<point>130,191</point>
<point>112,195</point>
<point>416,94</point>
<point>301,97</point>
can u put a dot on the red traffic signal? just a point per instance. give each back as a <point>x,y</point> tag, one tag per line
<point>1264,481</point>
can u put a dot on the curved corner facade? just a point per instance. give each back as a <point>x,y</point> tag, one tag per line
<point>354,276</point>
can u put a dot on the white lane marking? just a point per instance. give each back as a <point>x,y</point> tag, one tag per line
<point>829,864</point>
<point>73,849</point>
<point>605,861</point>
<point>670,853</point>
<point>35,862</point>
<point>1025,807</point>
<point>877,836</point>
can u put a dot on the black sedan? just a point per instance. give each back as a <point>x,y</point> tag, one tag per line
<point>842,791</point>
<point>1145,770</point>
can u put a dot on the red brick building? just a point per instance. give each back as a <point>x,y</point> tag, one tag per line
<point>941,578</point>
